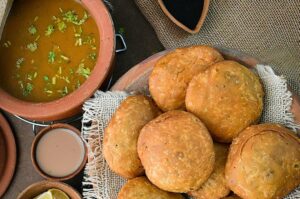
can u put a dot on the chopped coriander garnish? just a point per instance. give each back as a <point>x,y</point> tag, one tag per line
<point>29,77</point>
<point>93,56</point>
<point>61,26</point>
<point>60,70</point>
<point>78,84</point>
<point>65,58</point>
<point>50,30</point>
<point>51,57</point>
<point>7,44</point>
<point>67,80</point>
<point>32,46</point>
<point>93,47</point>
<point>72,17</point>
<point>85,72</point>
<point>49,92</point>
<point>36,18</point>
<point>32,29</point>
<point>46,78</point>
<point>66,90</point>
<point>20,62</point>
<point>28,89</point>
<point>71,71</point>
<point>21,84</point>
<point>53,80</point>
<point>37,38</point>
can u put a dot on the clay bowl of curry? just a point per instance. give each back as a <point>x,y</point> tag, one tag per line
<point>53,56</point>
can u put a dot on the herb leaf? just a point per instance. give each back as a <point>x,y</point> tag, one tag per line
<point>61,26</point>
<point>32,46</point>
<point>51,57</point>
<point>32,29</point>
<point>20,62</point>
<point>72,17</point>
<point>50,30</point>
<point>28,89</point>
<point>93,56</point>
<point>46,78</point>
<point>85,72</point>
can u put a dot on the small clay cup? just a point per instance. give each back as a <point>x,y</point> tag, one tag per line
<point>204,12</point>
<point>43,186</point>
<point>34,145</point>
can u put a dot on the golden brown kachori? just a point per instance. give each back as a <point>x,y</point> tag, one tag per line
<point>176,151</point>
<point>227,97</point>
<point>215,187</point>
<point>142,188</point>
<point>264,162</point>
<point>121,135</point>
<point>173,72</point>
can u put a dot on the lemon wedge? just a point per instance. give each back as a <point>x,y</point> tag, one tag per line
<point>45,195</point>
<point>53,194</point>
<point>58,194</point>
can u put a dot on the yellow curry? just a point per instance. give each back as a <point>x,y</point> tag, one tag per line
<point>47,50</point>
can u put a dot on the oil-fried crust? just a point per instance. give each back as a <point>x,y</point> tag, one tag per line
<point>264,162</point>
<point>142,188</point>
<point>121,135</point>
<point>215,187</point>
<point>176,151</point>
<point>227,97</point>
<point>172,73</point>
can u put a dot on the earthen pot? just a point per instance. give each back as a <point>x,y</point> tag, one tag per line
<point>43,186</point>
<point>201,20</point>
<point>33,152</point>
<point>70,105</point>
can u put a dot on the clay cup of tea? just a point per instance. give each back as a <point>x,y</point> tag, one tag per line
<point>58,152</point>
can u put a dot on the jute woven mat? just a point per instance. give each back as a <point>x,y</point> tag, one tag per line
<point>268,29</point>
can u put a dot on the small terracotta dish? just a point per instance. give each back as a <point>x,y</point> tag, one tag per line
<point>8,155</point>
<point>38,138</point>
<point>43,186</point>
<point>203,10</point>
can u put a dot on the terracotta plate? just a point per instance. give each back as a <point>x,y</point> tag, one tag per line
<point>40,187</point>
<point>8,155</point>
<point>136,79</point>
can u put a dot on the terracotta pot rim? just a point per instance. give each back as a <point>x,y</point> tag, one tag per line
<point>69,190</point>
<point>201,20</point>
<point>37,139</point>
<point>11,151</point>
<point>47,111</point>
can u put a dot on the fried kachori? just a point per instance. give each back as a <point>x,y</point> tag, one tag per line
<point>176,151</point>
<point>264,162</point>
<point>215,187</point>
<point>173,72</point>
<point>121,135</point>
<point>142,188</point>
<point>227,97</point>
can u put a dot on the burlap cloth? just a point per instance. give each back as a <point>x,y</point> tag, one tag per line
<point>102,183</point>
<point>267,29</point>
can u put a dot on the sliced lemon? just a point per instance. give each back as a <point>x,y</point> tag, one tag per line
<point>58,194</point>
<point>45,195</point>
